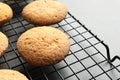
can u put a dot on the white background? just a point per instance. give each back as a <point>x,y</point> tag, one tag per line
<point>102,17</point>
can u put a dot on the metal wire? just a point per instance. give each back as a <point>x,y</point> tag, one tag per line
<point>85,61</point>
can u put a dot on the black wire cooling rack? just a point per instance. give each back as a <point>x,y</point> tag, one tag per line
<point>86,60</point>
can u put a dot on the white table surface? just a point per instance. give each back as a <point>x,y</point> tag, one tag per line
<point>102,17</point>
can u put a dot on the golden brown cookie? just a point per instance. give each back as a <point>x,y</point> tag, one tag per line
<point>44,12</point>
<point>43,46</point>
<point>3,43</point>
<point>5,13</point>
<point>7,74</point>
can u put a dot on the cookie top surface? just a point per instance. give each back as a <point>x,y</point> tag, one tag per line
<point>6,74</point>
<point>5,13</point>
<point>44,12</point>
<point>43,46</point>
<point>3,43</point>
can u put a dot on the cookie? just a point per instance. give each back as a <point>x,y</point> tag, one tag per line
<point>3,43</point>
<point>44,12</point>
<point>7,74</point>
<point>42,46</point>
<point>5,13</point>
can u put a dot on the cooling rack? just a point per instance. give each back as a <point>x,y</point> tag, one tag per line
<point>88,59</point>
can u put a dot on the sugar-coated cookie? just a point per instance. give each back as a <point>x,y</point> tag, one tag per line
<point>5,13</point>
<point>3,43</point>
<point>44,12</point>
<point>42,46</point>
<point>7,74</point>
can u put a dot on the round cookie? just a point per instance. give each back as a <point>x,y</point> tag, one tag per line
<point>42,46</point>
<point>44,12</point>
<point>7,74</point>
<point>5,13</point>
<point>3,43</point>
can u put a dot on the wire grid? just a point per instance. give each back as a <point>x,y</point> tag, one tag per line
<point>85,60</point>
